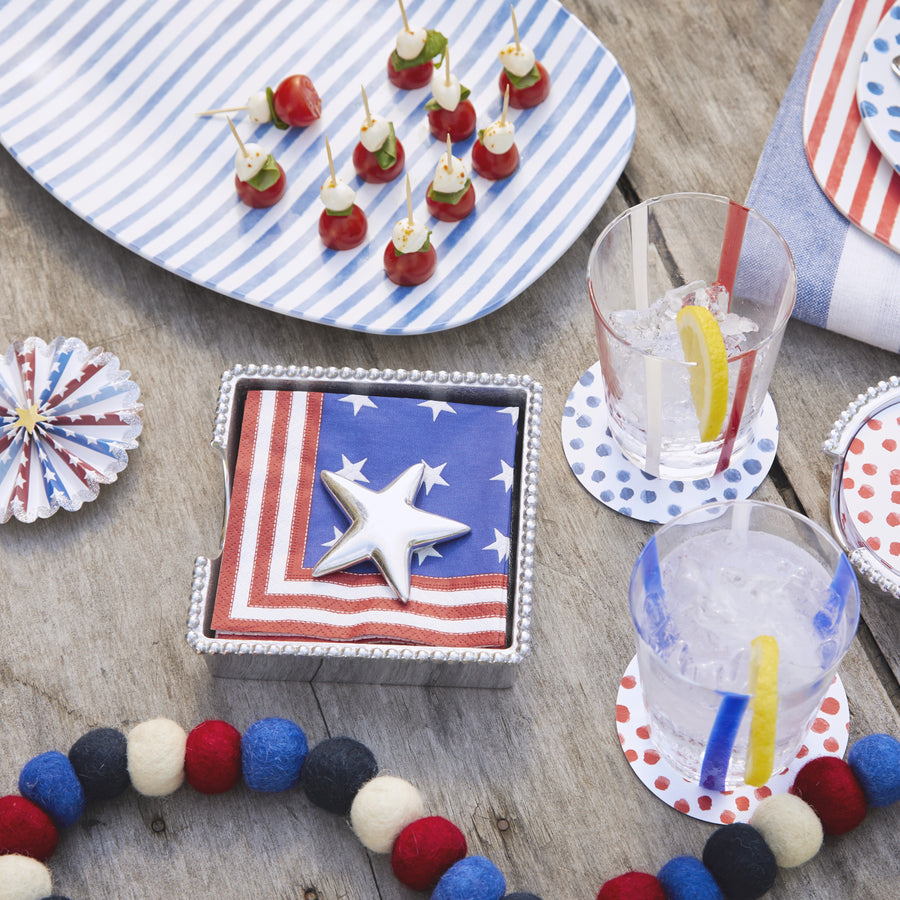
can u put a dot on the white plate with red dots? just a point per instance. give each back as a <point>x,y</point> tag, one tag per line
<point>865,486</point>
<point>828,736</point>
<point>98,103</point>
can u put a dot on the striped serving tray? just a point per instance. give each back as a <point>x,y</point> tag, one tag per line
<point>97,102</point>
<point>847,165</point>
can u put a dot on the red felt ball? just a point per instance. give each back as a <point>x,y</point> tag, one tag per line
<point>632,886</point>
<point>25,829</point>
<point>424,850</point>
<point>212,757</point>
<point>829,786</point>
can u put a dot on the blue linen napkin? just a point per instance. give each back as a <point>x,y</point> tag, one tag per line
<point>847,281</point>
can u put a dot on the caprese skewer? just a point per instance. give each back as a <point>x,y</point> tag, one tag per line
<point>342,225</point>
<point>450,112</point>
<point>526,77</point>
<point>494,154</point>
<point>450,196</point>
<point>378,157</point>
<point>258,179</point>
<point>409,257</point>
<point>294,102</point>
<point>410,64</point>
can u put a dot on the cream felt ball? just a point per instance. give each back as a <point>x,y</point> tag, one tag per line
<point>382,809</point>
<point>790,827</point>
<point>23,878</point>
<point>156,757</point>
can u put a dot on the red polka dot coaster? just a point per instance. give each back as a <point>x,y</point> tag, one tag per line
<point>827,737</point>
<point>866,484</point>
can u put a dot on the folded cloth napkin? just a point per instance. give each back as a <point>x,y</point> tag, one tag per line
<point>282,520</point>
<point>847,281</point>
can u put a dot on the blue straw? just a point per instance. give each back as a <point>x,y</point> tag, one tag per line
<point>721,741</point>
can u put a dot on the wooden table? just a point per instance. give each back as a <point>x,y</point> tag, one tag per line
<point>94,603</point>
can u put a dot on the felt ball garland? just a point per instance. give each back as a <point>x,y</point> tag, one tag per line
<point>739,861</point>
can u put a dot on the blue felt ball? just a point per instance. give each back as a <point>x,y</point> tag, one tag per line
<point>472,878</point>
<point>50,782</point>
<point>272,754</point>
<point>741,862</point>
<point>686,878</point>
<point>335,770</point>
<point>875,761</point>
<point>518,895</point>
<point>100,760</point>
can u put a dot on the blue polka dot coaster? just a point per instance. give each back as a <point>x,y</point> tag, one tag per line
<point>602,469</point>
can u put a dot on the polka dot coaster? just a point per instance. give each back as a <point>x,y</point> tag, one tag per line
<point>827,737</point>
<point>604,471</point>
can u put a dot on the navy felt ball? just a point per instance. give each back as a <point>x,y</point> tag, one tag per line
<point>740,861</point>
<point>518,895</point>
<point>100,760</point>
<point>334,771</point>
<point>472,877</point>
<point>686,878</point>
<point>50,782</point>
<point>875,761</point>
<point>272,754</point>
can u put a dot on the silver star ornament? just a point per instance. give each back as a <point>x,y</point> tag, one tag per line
<point>385,527</point>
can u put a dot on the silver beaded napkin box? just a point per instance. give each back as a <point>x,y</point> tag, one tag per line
<point>268,643</point>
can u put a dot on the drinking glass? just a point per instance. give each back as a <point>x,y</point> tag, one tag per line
<point>704,587</point>
<point>644,265</point>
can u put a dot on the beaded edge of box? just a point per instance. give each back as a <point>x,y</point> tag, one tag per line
<point>835,446</point>
<point>520,645</point>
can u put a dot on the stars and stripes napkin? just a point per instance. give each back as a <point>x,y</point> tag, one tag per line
<point>282,520</point>
<point>847,281</point>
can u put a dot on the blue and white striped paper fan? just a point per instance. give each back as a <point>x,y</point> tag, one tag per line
<point>98,101</point>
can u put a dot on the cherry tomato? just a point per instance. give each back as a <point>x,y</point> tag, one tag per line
<point>343,232</point>
<point>459,123</point>
<point>261,199</point>
<point>525,98</point>
<point>367,167</point>
<point>494,165</point>
<point>451,212</point>
<point>409,268</point>
<point>411,78</point>
<point>296,101</point>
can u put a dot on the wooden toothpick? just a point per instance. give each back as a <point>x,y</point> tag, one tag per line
<point>505,106</point>
<point>330,162</point>
<point>403,13</point>
<point>447,66</point>
<point>237,137</point>
<point>449,153</point>
<point>213,112</point>
<point>409,215</point>
<point>366,105</point>
<point>515,26</point>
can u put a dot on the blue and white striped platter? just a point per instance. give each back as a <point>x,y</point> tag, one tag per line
<point>98,102</point>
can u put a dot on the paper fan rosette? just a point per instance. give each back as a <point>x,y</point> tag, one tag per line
<point>68,416</point>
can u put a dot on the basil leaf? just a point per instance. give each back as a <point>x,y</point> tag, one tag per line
<point>524,81</point>
<point>435,44</point>
<point>340,212</point>
<point>423,249</point>
<point>453,198</point>
<point>386,154</point>
<point>266,176</point>
<point>278,123</point>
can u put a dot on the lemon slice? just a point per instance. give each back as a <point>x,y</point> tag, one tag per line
<point>763,709</point>
<point>703,345</point>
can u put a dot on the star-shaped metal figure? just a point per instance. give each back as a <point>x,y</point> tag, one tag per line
<point>385,527</point>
